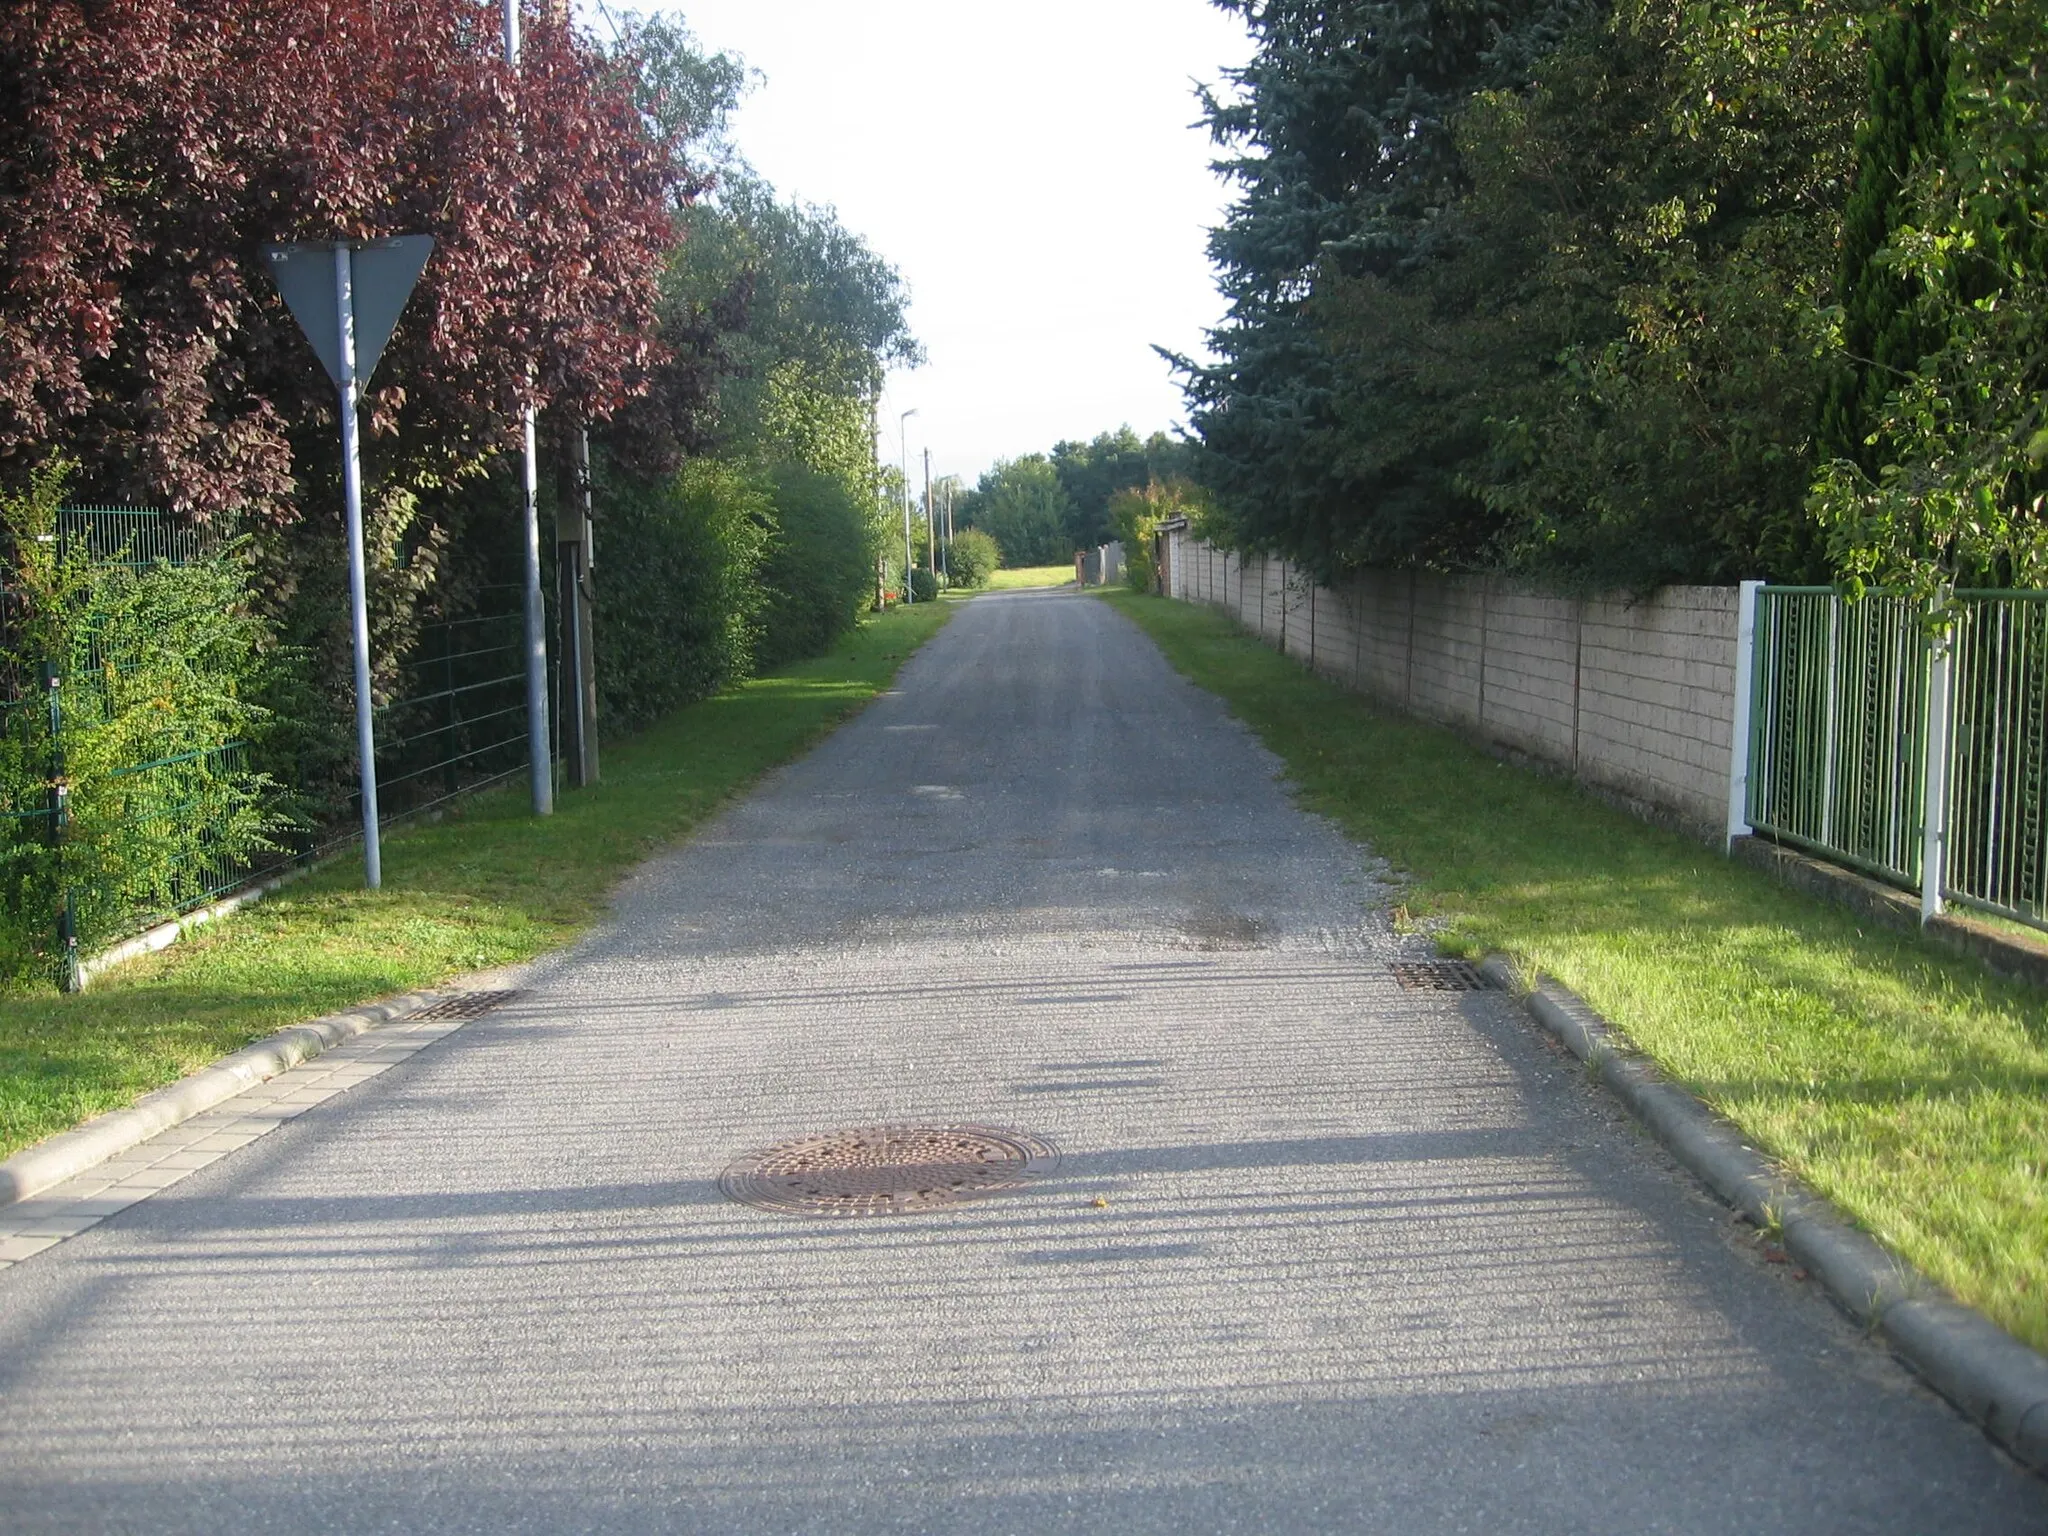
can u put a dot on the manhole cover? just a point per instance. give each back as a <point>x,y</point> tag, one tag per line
<point>887,1170</point>
<point>463,1005</point>
<point>1439,976</point>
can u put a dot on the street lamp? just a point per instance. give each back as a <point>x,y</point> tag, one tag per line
<point>903,464</point>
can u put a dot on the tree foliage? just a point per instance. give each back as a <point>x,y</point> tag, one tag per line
<point>1021,504</point>
<point>1092,473</point>
<point>788,321</point>
<point>1136,513</point>
<point>1339,137</point>
<point>1959,492</point>
<point>682,590</point>
<point>1883,331</point>
<point>153,147</point>
<point>1646,391</point>
<point>1625,294</point>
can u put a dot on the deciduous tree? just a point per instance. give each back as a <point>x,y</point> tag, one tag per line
<point>151,148</point>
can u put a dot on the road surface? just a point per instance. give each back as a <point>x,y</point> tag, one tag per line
<point>1322,1254</point>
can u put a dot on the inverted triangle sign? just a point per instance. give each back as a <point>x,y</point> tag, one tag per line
<point>382,276</point>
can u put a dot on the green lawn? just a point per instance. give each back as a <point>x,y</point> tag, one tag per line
<point>1903,1082</point>
<point>490,885</point>
<point>1032,576</point>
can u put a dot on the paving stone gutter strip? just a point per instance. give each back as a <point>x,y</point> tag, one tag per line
<point>69,1153</point>
<point>1993,1377</point>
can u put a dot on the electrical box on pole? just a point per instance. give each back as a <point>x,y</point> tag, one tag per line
<point>347,297</point>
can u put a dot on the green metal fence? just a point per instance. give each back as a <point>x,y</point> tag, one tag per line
<point>1905,740</point>
<point>83,863</point>
<point>78,870</point>
<point>1838,708</point>
<point>134,536</point>
<point>1996,812</point>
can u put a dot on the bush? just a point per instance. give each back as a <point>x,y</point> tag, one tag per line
<point>818,572</point>
<point>924,586</point>
<point>972,558</point>
<point>679,592</point>
<point>156,663</point>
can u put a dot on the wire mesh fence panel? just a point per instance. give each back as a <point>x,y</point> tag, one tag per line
<point>154,843</point>
<point>459,719</point>
<point>120,805</point>
<point>119,808</point>
<point>133,536</point>
<point>1998,765</point>
<point>1838,715</point>
<point>29,927</point>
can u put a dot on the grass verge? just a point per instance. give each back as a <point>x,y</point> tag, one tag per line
<point>490,885</point>
<point>1904,1083</point>
<point>1031,576</point>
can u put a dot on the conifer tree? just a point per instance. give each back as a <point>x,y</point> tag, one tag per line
<point>1883,331</point>
<point>1340,138</point>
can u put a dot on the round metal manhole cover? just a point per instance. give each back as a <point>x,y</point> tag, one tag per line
<point>888,1170</point>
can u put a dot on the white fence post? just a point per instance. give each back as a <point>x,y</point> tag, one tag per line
<point>1738,741</point>
<point>1934,774</point>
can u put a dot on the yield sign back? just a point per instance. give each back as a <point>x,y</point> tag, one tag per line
<point>382,275</point>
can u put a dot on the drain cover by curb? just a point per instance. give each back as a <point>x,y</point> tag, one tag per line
<point>888,1170</point>
<point>1439,976</point>
<point>463,1005</point>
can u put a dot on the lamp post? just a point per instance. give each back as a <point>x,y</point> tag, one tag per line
<point>903,464</point>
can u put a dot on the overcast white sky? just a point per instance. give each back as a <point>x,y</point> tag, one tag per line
<point>1029,169</point>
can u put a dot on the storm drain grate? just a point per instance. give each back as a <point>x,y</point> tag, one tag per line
<point>887,1170</point>
<point>1439,976</point>
<point>463,1005</point>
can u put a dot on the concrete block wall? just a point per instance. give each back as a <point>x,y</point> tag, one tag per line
<point>1532,673</point>
<point>1636,697</point>
<point>1657,689</point>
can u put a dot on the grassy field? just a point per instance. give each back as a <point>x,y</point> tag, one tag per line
<point>489,886</point>
<point>1031,576</point>
<point>1904,1083</point>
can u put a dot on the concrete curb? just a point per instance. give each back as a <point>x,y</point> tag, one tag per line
<point>1978,1366</point>
<point>70,1153</point>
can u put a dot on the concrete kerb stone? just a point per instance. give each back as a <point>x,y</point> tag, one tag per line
<point>1987,1373</point>
<point>70,1153</point>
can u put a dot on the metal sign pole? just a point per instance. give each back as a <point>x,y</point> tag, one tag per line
<point>540,769</point>
<point>359,611</point>
<point>347,297</point>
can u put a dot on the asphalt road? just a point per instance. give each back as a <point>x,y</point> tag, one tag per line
<point>1323,1254</point>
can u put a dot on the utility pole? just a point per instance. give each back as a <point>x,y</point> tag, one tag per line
<point>575,556</point>
<point>903,465</point>
<point>931,528</point>
<point>948,484</point>
<point>875,455</point>
<point>540,770</point>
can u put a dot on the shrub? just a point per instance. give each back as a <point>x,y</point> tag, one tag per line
<point>924,586</point>
<point>972,558</point>
<point>818,571</point>
<point>155,665</point>
<point>1136,514</point>
<point>678,586</point>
